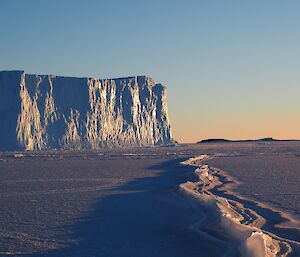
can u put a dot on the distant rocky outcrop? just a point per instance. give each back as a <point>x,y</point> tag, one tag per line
<point>45,111</point>
<point>222,140</point>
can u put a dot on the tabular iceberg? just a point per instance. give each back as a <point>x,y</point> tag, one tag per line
<point>45,111</point>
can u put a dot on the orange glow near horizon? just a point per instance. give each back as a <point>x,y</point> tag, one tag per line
<point>193,130</point>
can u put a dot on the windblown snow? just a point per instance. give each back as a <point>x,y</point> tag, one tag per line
<point>45,111</point>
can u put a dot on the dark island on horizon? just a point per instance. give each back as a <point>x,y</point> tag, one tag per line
<point>266,139</point>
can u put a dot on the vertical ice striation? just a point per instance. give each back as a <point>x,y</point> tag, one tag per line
<point>45,111</point>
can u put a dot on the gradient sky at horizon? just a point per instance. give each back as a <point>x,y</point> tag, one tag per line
<point>231,67</point>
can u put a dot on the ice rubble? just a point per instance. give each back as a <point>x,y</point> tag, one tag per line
<point>253,242</point>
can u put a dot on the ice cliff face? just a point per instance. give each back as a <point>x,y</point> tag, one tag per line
<point>44,111</point>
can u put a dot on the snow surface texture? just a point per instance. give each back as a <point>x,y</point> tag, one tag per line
<point>45,111</point>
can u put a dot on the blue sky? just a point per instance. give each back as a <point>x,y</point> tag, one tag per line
<point>231,67</point>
